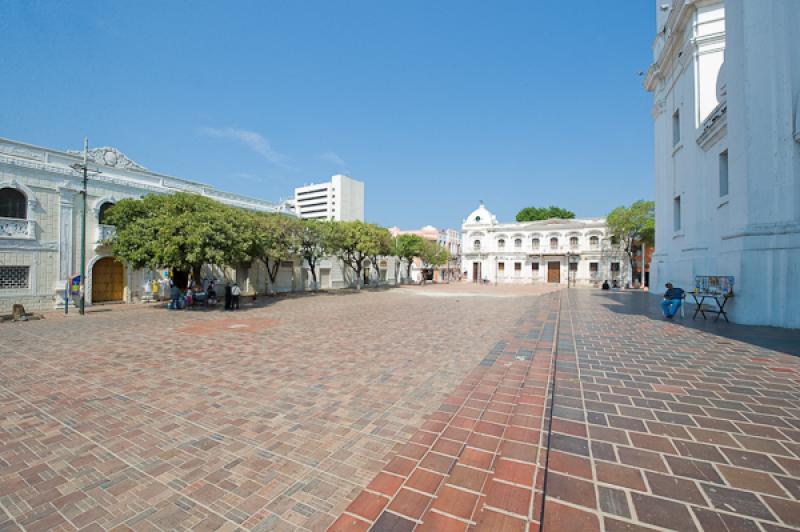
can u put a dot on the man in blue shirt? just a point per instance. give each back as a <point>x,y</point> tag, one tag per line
<point>673,298</point>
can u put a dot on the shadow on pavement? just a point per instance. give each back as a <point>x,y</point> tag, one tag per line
<point>248,303</point>
<point>647,304</point>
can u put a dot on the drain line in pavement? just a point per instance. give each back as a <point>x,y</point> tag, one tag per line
<point>549,408</point>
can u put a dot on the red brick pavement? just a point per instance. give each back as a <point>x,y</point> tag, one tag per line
<point>654,426</point>
<point>477,461</point>
<point>271,418</point>
<point>400,412</point>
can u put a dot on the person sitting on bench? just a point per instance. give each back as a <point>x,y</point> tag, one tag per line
<point>673,298</point>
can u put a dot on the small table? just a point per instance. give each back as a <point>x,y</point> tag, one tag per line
<point>720,299</point>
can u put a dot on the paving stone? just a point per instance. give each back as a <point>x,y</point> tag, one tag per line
<point>561,517</point>
<point>738,501</point>
<point>662,512</point>
<point>613,501</point>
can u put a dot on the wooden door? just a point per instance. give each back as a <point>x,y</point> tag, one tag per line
<point>108,280</point>
<point>553,272</point>
<point>476,271</point>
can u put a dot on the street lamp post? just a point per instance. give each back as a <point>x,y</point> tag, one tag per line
<point>84,168</point>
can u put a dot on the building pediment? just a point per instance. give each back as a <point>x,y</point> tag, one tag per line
<point>112,157</point>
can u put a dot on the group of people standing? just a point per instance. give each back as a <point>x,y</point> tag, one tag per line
<point>206,294</point>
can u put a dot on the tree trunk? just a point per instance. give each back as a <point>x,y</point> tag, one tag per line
<point>272,272</point>
<point>196,273</point>
<point>408,271</point>
<point>312,264</point>
<point>644,259</point>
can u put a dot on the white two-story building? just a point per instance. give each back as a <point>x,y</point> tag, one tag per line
<point>575,251</point>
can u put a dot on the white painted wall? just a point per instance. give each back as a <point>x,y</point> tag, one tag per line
<point>753,232</point>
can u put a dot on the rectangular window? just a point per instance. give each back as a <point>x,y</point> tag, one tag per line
<point>593,267</point>
<point>723,174</point>
<point>573,266</point>
<point>501,267</point>
<point>676,214</point>
<point>615,266</point>
<point>676,127</point>
<point>14,277</point>
<point>535,266</point>
<point>517,267</point>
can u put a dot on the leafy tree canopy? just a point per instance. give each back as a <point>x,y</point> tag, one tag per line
<point>180,231</point>
<point>532,214</point>
<point>408,246</point>
<point>634,224</point>
<point>355,241</point>
<point>433,254</point>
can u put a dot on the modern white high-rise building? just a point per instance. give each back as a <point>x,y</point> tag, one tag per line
<point>726,87</point>
<point>341,199</point>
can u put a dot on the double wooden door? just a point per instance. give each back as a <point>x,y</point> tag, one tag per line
<point>108,280</point>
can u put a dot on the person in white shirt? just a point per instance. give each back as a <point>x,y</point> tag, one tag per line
<point>235,293</point>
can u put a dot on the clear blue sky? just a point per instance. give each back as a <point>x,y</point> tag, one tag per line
<point>435,105</point>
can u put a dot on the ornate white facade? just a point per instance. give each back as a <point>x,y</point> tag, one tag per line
<point>553,251</point>
<point>726,88</point>
<point>40,241</point>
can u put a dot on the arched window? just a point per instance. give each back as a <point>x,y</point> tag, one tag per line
<point>476,245</point>
<point>535,243</point>
<point>518,243</point>
<point>554,243</point>
<point>573,242</point>
<point>101,218</point>
<point>13,204</point>
<point>594,242</point>
<point>501,244</point>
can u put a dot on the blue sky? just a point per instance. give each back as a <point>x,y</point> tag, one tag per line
<point>433,104</point>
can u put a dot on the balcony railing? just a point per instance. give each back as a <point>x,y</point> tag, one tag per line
<point>104,232</point>
<point>16,228</point>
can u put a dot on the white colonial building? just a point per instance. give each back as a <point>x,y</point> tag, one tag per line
<point>40,224</point>
<point>726,87</point>
<point>549,251</point>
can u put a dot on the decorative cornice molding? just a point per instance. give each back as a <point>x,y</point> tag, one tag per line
<point>715,127</point>
<point>28,245</point>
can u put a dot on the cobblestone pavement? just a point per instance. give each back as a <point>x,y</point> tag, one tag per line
<point>483,408</point>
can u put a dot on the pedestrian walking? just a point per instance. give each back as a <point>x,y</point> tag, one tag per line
<point>228,296</point>
<point>235,293</point>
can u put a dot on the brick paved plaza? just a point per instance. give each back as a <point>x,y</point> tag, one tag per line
<point>391,409</point>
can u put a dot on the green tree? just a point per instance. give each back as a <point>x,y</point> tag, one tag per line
<point>353,243</point>
<point>382,247</point>
<point>633,226</point>
<point>433,254</point>
<point>312,244</point>
<point>532,214</point>
<point>179,231</point>
<point>273,238</point>
<point>407,247</point>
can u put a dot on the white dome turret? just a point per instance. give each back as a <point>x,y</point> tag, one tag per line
<point>481,216</point>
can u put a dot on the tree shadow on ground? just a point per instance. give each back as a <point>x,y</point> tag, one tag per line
<point>250,303</point>
<point>647,304</point>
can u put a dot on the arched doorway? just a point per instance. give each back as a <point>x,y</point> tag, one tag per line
<point>108,280</point>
